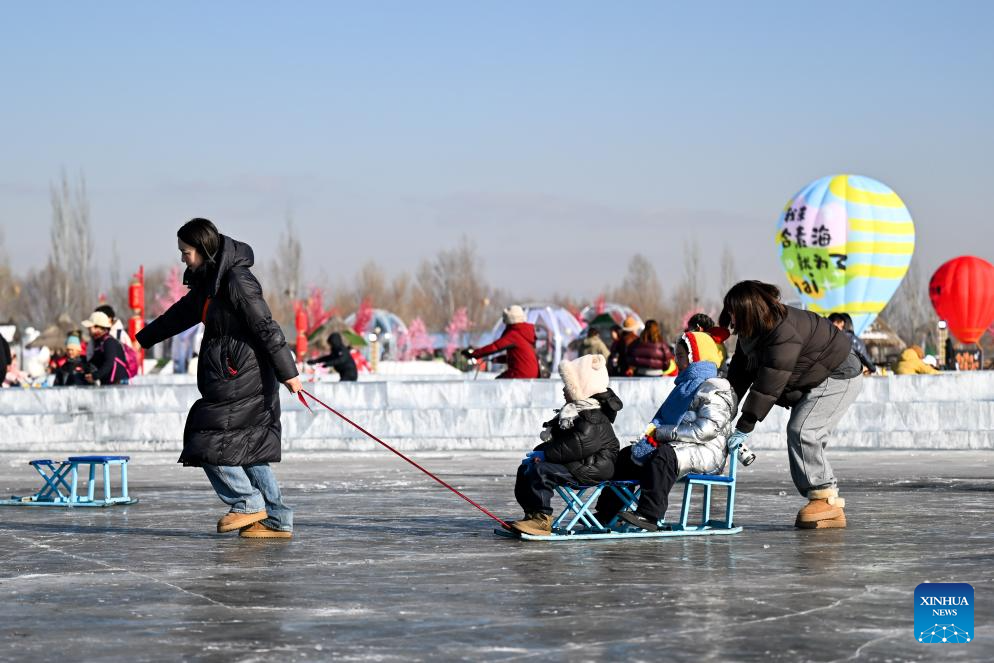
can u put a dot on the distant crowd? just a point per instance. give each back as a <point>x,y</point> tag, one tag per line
<point>105,355</point>
<point>100,352</point>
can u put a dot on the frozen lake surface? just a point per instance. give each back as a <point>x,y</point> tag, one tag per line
<point>386,565</point>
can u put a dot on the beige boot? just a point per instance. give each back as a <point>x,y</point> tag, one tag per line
<point>536,524</point>
<point>260,531</point>
<point>823,510</point>
<point>232,521</point>
<point>828,523</point>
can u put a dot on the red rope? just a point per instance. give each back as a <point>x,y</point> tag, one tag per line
<point>300,395</point>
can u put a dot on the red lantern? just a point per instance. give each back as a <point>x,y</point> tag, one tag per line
<point>301,346</point>
<point>962,293</point>
<point>300,317</point>
<point>136,296</point>
<point>300,322</point>
<point>135,325</point>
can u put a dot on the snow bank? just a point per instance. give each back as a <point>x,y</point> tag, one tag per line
<point>952,411</point>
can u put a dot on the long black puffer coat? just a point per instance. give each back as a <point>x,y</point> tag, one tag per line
<point>589,448</point>
<point>779,367</point>
<point>243,359</point>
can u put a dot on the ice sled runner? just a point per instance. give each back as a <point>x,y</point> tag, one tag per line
<point>577,521</point>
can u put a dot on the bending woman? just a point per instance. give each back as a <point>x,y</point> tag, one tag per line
<point>233,431</point>
<point>801,361</point>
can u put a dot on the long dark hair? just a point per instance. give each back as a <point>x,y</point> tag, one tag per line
<point>844,319</point>
<point>756,307</point>
<point>202,235</point>
<point>653,332</point>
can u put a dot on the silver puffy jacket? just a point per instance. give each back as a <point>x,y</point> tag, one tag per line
<point>699,439</point>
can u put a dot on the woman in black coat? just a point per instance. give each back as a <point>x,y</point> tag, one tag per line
<point>801,361</point>
<point>233,431</point>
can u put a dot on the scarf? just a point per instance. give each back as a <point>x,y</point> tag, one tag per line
<point>570,411</point>
<point>684,388</point>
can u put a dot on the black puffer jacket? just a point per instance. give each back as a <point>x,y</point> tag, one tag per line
<point>797,355</point>
<point>110,365</point>
<point>590,448</point>
<point>340,359</point>
<point>243,359</point>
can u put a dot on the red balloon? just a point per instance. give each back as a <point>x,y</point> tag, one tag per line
<point>962,293</point>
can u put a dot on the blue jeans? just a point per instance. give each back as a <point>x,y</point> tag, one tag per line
<point>250,489</point>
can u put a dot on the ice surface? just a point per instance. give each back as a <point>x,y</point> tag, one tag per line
<point>388,566</point>
<point>952,411</point>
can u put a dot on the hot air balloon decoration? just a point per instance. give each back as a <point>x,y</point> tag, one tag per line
<point>962,293</point>
<point>846,242</point>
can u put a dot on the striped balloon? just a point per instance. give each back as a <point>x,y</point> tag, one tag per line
<point>846,242</point>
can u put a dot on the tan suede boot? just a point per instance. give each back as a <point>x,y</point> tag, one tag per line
<point>828,523</point>
<point>824,510</point>
<point>232,521</point>
<point>260,531</point>
<point>536,524</point>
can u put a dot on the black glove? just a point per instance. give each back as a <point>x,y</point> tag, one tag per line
<point>468,352</point>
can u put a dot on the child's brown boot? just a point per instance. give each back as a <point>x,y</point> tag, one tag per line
<point>536,524</point>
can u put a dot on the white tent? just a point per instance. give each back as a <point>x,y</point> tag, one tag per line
<point>555,329</point>
<point>387,326</point>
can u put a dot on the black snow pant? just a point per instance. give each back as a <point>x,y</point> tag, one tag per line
<point>535,485</point>
<point>656,478</point>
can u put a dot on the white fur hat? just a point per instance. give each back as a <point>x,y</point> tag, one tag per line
<point>585,376</point>
<point>513,315</point>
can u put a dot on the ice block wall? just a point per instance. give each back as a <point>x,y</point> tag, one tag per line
<point>951,411</point>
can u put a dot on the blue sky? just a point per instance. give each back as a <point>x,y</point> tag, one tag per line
<point>562,136</point>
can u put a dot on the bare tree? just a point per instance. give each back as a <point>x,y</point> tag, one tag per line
<point>400,297</point>
<point>371,284</point>
<point>729,272</point>
<point>286,274</point>
<point>38,306</point>
<point>117,286</point>
<point>689,297</point>
<point>10,287</point>
<point>71,260</point>
<point>641,289</point>
<point>909,312</point>
<point>450,281</point>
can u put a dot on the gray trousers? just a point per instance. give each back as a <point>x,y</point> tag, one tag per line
<point>811,422</point>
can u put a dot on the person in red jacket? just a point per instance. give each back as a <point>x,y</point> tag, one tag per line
<point>518,340</point>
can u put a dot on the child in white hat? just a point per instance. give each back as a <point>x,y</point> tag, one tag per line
<point>578,447</point>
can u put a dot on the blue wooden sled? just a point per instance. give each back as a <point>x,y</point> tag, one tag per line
<point>577,521</point>
<point>61,483</point>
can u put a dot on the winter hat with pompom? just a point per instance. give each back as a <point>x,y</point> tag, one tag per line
<point>585,376</point>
